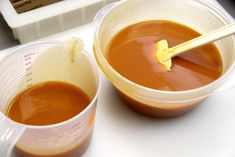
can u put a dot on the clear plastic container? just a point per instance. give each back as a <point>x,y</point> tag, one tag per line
<point>200,15</point>
<point>33,64</point>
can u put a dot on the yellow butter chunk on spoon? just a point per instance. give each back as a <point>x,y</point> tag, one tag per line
<point>164,54</point>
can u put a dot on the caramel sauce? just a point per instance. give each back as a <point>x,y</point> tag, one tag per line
<point>130,53</point>
<point>47,103</point>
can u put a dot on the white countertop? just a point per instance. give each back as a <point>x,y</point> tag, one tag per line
<point>207,131</point>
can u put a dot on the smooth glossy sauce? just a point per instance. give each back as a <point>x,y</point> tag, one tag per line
<point>48,103</point>
<point>131,54</point>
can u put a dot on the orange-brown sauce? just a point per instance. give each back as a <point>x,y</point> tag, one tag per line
<point>131,54</point>
<point>48,103</point>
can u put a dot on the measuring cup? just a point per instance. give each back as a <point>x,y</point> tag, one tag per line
<point>201,15</point>
<point>33,64</point>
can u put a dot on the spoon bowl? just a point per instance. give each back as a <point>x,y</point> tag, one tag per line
<point>164,54</point>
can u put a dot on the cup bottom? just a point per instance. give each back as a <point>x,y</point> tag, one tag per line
<point>74,152</point>
<point>157,112</point>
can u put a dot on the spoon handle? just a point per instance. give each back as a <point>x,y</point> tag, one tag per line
<point>202,40</point>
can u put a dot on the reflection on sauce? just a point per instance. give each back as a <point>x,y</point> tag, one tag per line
<point>130,54</point>
<point>48,103</point>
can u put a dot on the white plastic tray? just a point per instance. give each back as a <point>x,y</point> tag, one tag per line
<point>50,19</point>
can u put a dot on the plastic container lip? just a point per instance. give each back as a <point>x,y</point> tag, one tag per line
<point>92,62</point>
<point>216,11</point>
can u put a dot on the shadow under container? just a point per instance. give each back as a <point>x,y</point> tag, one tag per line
<point>200,15</point>
<point>31,65</point>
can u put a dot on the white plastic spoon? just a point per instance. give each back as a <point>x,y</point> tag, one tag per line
<point>164,54</point>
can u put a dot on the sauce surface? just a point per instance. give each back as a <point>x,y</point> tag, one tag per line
<point>130,53</point>
<point>47,103</point>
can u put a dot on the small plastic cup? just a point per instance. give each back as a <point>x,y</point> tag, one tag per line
<point>32,64</point>
<point>200,15</point>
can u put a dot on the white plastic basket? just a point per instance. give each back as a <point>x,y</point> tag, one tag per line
<point>49,19</point>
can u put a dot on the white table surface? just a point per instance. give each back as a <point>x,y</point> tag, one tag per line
<point>207,131</point>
